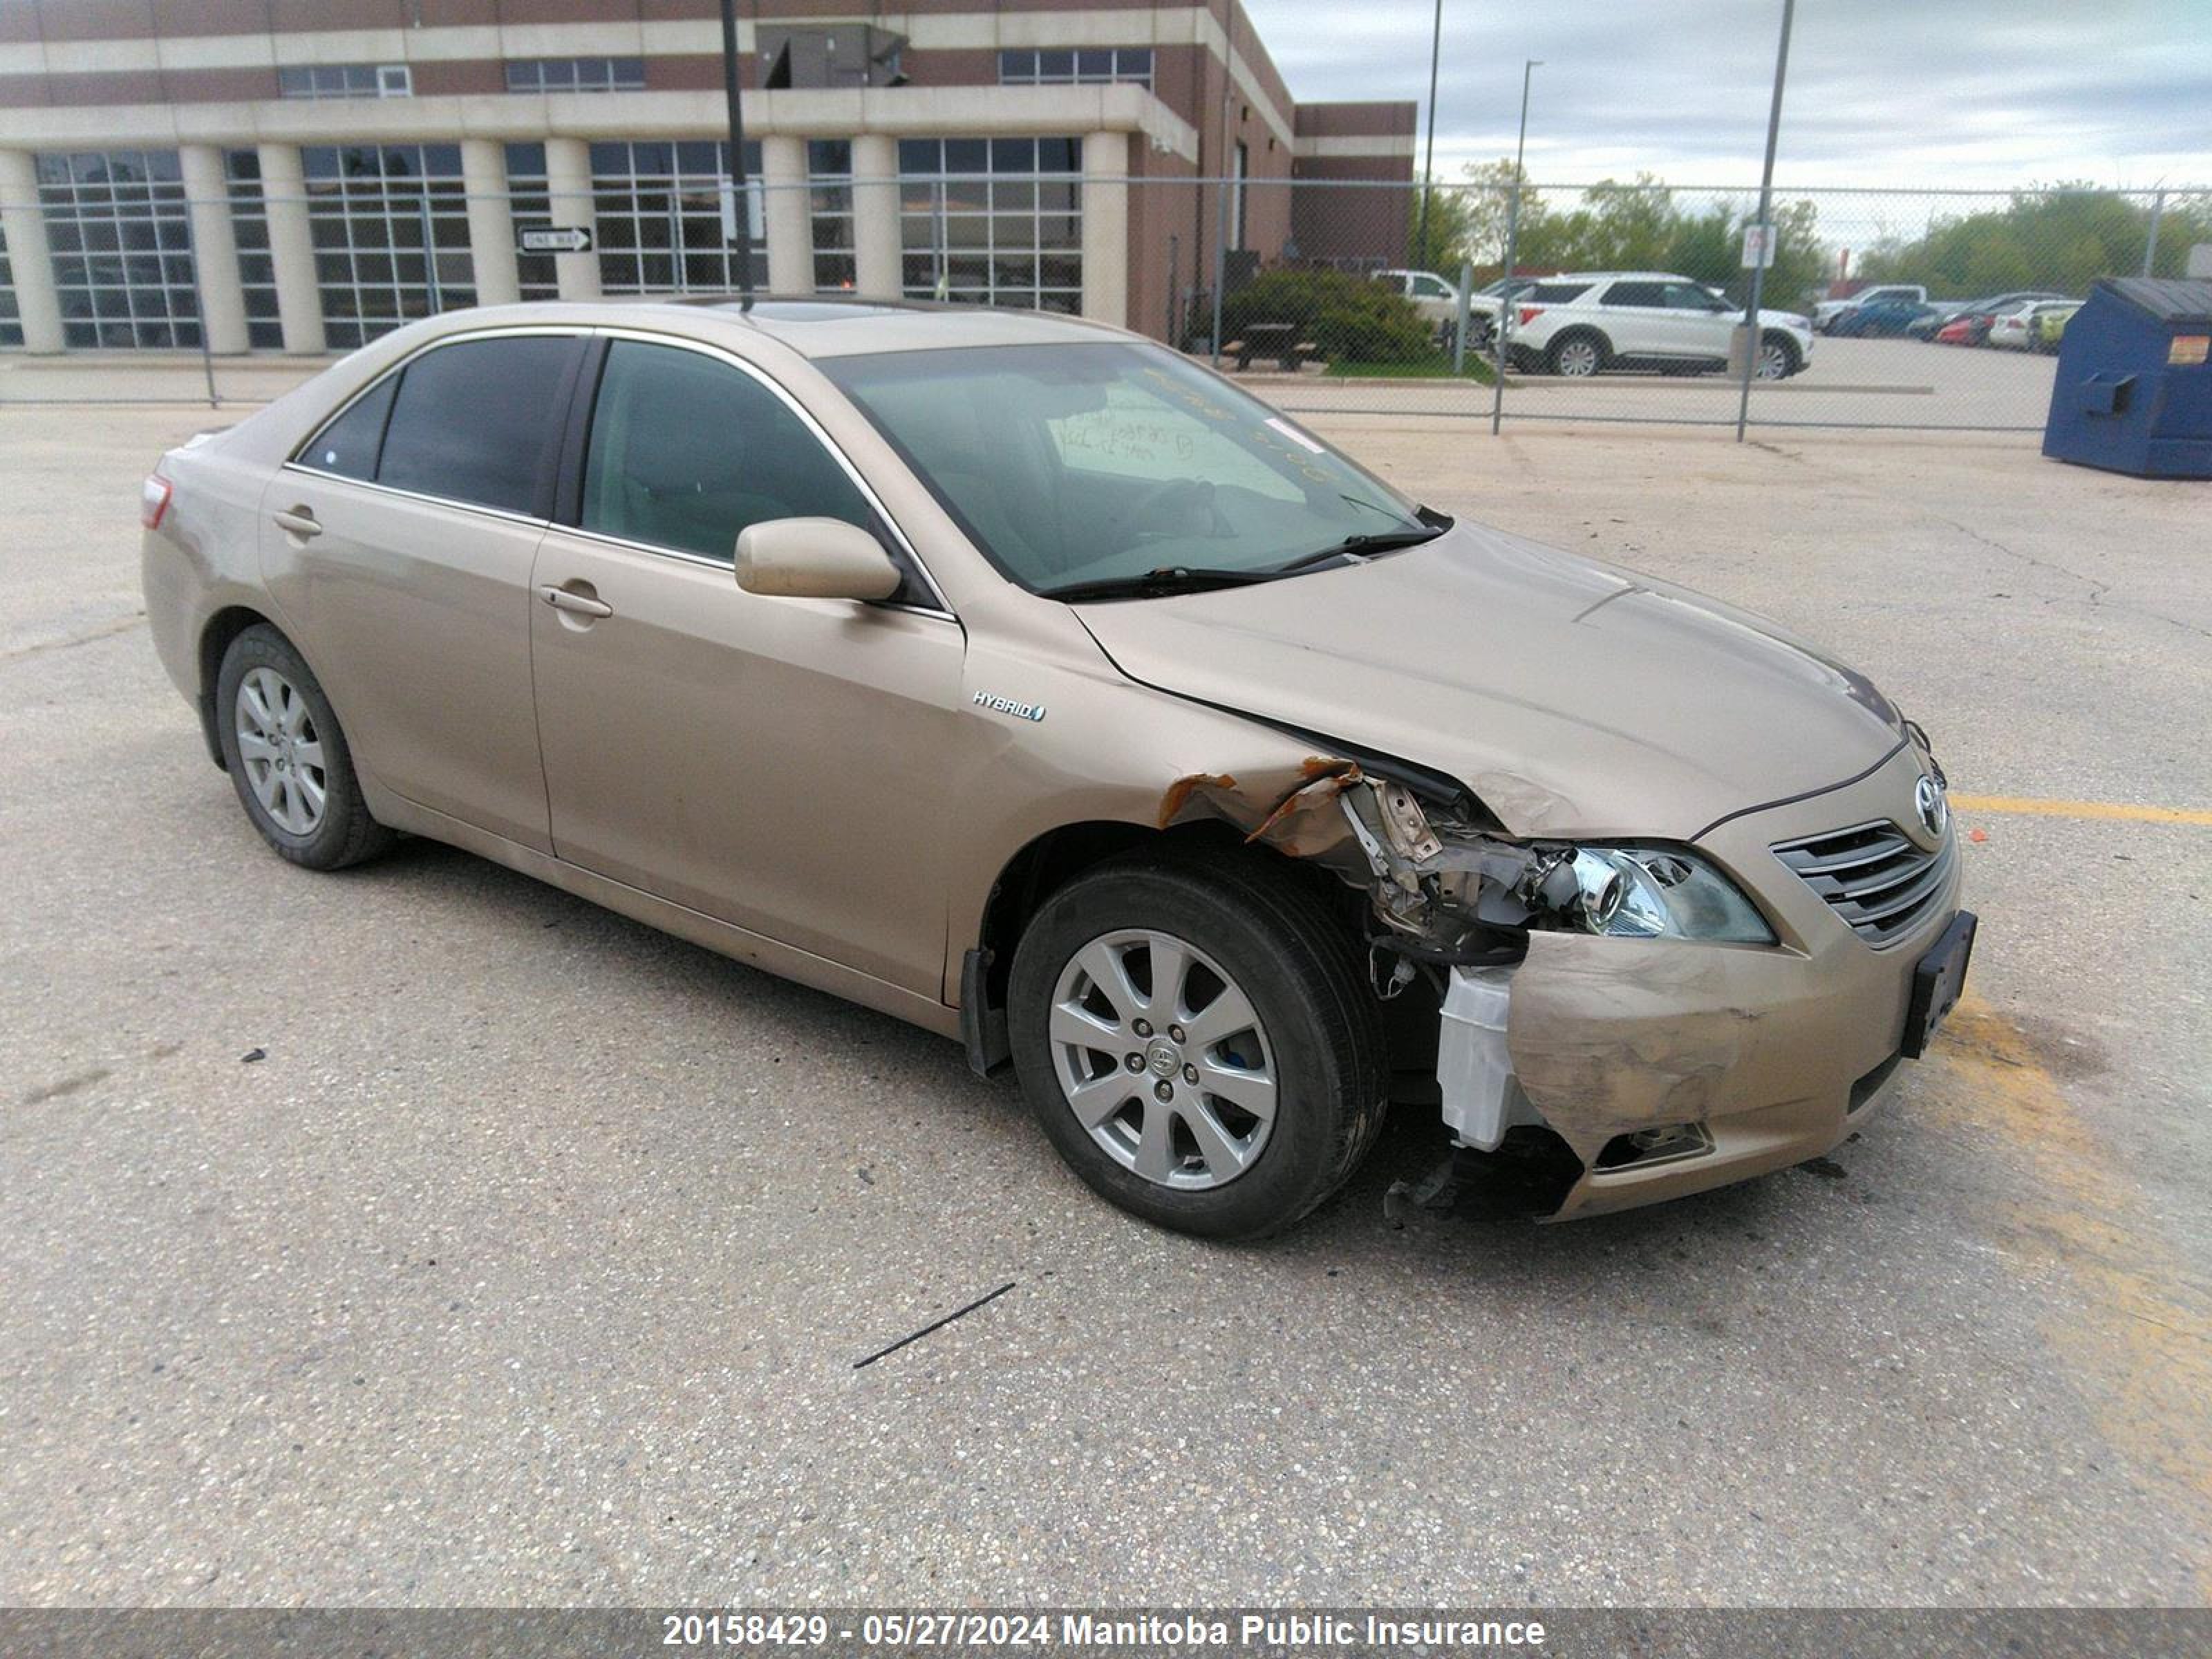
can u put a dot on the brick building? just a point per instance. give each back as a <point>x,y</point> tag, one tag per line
<point>304,174</point>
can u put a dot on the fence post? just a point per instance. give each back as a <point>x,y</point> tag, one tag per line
<point>1752,341</point>
<point>1220,261</point>
<point>2150,244</point>
<point>1505,308</point>
<point>1459,321</point>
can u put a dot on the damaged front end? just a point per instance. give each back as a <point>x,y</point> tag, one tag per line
<point>1452,903</point>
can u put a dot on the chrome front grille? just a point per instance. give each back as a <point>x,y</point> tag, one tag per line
<point>1873,876</point>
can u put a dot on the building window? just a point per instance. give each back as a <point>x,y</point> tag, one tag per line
<point>830,202</point>
<point>345,81</point>
<point>391,226</point>
<point>576,75</point>
<point>993,221</point>
<point>1239,170</point>
<point>11,321</point>
<point>122,248</point>
<point>658,208</point>
<point>1088,66</point>
<point>530,202</point>
<point>249,228</point>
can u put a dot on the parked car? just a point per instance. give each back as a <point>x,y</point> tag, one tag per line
<point>2048,325</point>
<point>1890,318</point>
<point>1990,304</point>
<point>1483,306</point>
<point>1825,311</point>
<point>1583,322</point>
<point>1025,680</point>
<point>2016,327</point>
<point>1971,329</point>
<point>1434,297</point>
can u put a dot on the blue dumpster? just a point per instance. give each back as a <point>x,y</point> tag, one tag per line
<point>2134,391</point>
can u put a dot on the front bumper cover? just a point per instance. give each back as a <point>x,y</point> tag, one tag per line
<point>1763,1057</point>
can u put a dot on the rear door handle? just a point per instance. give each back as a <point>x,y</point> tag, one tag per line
<point>298,521</point>
<point>561,598</point>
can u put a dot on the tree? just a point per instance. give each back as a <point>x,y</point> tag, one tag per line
<point>1486,199</point>
<point>1446,245</point>
<point>2061,236</point>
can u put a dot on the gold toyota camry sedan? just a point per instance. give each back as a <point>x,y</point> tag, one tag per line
<point>1025,680</point>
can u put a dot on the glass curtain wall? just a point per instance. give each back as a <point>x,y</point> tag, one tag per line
<point>993,221</point>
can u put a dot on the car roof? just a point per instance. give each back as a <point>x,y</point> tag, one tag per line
<point>1617,276</point>
<point>823,326</point>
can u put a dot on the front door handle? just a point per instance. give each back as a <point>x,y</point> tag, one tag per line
<point>580,604</point>
<point>298,521</point>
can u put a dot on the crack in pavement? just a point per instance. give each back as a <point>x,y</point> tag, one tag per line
<point>107,630</point>
<point>2098,588</point>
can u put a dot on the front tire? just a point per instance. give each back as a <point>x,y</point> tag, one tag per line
<point>1777,357</point>
<point>288,757</point>
<point>1196,1038</point>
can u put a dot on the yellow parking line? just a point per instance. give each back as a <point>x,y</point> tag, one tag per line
<point>2081,808</point>
<point>2134,1337</point>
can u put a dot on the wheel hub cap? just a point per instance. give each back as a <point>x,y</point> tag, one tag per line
<point>1161,1057</point>
<point>280,752</point>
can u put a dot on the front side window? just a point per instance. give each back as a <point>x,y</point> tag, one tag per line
<point>686,451</point>
<point>1073,464</point>
<point>479,421</point>
<point>1688,296</point>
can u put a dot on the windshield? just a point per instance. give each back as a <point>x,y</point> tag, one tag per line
<point>1073,465</point>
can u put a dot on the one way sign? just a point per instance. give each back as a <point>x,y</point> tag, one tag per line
<point>572,239</point>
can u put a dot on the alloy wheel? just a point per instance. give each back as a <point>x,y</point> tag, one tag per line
<point>1163,1058</point>
<point>1579,358</point>
<point>1773,360</point>
<point>281,750</point>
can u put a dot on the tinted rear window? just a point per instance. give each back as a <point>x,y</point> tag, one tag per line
<point>1636,293</point>
<point>479,422</point>
<point>1556,294</point>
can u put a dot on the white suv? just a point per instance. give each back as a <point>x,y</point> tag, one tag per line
<point>1580,322</point>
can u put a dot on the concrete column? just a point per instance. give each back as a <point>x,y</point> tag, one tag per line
<point>215,248</point>
<point>292,250</point>
<point>786,215</point>
<point>29,254</point>
<point>875,216</point>
<point>569,186</point>
<point>491,221</point>
<point>1106,227</point>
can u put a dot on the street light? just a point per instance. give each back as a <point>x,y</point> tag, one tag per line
<point>1528,68</point>
<point>1429,160</point>
<point>740,182</point>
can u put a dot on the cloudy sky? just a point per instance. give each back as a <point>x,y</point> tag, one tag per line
<point>1892,92</point>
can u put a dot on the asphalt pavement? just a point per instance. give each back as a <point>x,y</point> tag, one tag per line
<point>422,1234</point>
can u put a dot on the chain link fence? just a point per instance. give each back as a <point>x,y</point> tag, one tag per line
<point>1930,309</point>
<point>1625,301</point>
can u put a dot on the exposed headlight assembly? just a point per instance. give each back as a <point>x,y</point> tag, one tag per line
<point>1444,884</point>
<point>1659,892</point>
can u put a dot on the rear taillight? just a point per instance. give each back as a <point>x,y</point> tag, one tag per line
<point>1529,314</point>
<point>153,501</point>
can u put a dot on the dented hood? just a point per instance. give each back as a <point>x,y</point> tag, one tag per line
<point>1572,697</point>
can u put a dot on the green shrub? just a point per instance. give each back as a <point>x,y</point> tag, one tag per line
<point>1347,316</point>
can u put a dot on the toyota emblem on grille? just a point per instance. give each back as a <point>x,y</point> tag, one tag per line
<point>1934,811</point>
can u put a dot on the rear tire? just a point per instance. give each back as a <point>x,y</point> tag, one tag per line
<point>288,757</point>
<point>1149,1135</point>
<point>1576,354</point>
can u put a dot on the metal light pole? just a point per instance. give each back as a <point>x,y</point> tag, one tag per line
<point>740,180</point>
<point>1505,328</point>
<point>1429,160</point>
<point>1751,331</point>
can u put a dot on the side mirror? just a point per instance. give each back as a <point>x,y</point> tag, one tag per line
<point>814,559</point>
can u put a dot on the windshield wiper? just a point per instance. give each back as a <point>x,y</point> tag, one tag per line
<point>1167,579</point>
<point>1367,545</point>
